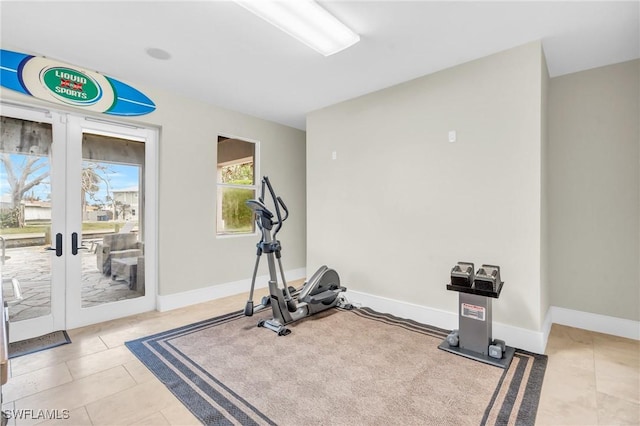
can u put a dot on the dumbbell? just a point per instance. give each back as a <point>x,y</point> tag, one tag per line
<point>453,339</point>
<point>496,350</point>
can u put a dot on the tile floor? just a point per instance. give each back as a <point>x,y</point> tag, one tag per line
<point>591,379</point>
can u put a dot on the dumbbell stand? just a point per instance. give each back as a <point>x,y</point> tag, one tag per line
<point>475,326</point>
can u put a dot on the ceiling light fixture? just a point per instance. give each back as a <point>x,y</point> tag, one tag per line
<point>305,20</point>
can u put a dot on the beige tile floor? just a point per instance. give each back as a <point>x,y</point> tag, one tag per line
<point>591,379</point>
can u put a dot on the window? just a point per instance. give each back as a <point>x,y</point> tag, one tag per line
<point>236,184</point>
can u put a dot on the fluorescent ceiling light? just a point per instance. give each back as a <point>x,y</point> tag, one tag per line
<point>305,20</point>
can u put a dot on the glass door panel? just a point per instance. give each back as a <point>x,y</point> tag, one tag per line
<point>31,216</point>
<point>112,185</point>
<point>25,215</point>
<point>111,271</point>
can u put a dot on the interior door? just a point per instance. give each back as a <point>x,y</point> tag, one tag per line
<point>111,227</point>
<point>32,219</point>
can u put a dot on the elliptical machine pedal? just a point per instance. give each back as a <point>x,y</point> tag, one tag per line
<point>343,304</point>
<point>274,326</point>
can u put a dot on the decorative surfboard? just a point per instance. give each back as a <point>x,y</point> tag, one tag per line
<point>66,84</point>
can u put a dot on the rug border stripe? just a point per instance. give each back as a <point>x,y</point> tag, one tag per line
<point>526,412</point>
<point>512,391</point>
<point>531,398</point>
<point>237,397</point>
<point>189,329</point>
<point>494,397</point>
<point>141,346</point>
<point>167,377</point>
<point>189,382</point>
<point>407,324</point>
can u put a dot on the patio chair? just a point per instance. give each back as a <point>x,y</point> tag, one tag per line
<point>15,284</point>
<point>117,246</point>
<point>127,227</point>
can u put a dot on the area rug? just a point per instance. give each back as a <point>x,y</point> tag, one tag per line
<point>37,344</point>
<point>339,367</point>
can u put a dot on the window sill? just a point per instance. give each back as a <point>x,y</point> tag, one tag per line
<point>227,236</point>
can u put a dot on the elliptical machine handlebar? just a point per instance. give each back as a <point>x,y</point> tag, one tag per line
<point>286,215</point>
<point>277,201</point>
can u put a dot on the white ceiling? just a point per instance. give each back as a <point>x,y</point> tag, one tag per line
<point>225,56</point>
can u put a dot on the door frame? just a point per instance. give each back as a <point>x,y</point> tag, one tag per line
<point>55,320</point>
<point>76,315</point>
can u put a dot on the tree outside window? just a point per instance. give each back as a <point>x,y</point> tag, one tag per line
<point>236,184</point>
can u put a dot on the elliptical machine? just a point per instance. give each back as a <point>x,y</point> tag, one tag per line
<point>288,304</point>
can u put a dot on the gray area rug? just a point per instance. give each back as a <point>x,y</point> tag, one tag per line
<point>337,368</point>
<point>37,344</point>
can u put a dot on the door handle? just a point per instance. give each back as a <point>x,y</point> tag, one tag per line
<point>58,247</point>
<point>74,244</point>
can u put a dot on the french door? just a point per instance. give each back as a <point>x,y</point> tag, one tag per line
<point>77,220</point>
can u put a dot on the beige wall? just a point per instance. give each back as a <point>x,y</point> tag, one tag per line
<point>401,205</point>
<point>190,255</point>
<point>594,191</point>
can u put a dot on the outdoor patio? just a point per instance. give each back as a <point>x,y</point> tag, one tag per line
<point>31,266</point>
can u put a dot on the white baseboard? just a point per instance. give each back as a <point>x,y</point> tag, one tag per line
<point>192,297</point>
<point>530,340</point>
<point>595,322</point>
<point>533,341</point>
<point>546,327</point>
